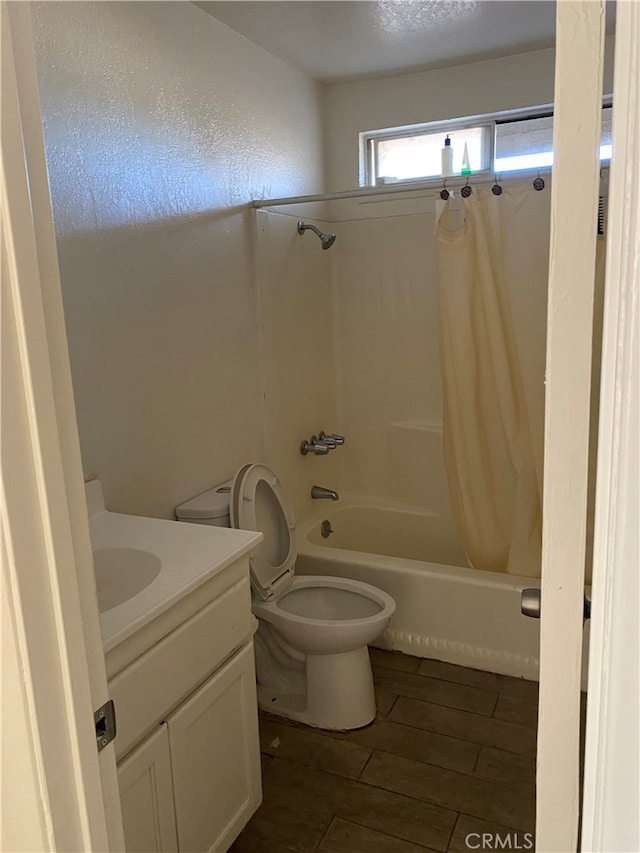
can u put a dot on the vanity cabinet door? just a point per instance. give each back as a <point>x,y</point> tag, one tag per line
<point>146,796</point>
<point>215,756</point>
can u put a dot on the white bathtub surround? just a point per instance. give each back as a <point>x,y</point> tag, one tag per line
<point>385,333</point>
<point>444,610</point>
<point>495,494</point>
<point>296,322</point>
<point>390,531</point>
<point>384,328</point>
<point>369,355</point>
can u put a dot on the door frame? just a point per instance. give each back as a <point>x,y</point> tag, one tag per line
<point>612,765</point>
<point>63,793</point>
<point>580,26</point>
<point>609,806</point>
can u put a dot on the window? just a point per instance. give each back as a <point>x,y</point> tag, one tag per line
<point>416,156</point>
<point>499,144</point>
<point>527,143</point>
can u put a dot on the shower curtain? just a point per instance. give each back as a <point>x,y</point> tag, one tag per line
<point>489,457</point>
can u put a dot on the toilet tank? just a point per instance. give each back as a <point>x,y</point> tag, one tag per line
<point>210,507</point>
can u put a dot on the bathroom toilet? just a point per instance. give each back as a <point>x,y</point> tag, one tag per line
<point>312,661</point>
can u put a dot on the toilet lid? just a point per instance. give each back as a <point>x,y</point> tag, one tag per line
<point>259,502</point>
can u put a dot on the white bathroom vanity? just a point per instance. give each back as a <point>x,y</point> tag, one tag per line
<point>180,664</point>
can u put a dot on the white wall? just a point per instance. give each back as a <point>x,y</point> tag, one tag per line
<point>160,124</point>
<point>510,82</point>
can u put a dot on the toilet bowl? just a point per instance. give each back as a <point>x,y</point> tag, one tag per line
<point>312,661</point>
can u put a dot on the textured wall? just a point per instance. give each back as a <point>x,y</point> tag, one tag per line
<point>160,124</point>
<point>507,83</point>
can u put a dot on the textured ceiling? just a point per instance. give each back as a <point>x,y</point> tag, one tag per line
<point>333,40</point>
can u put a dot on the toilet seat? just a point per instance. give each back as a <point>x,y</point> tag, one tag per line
<point>259,502</point>
<point>306,622</point>
<point>314,599</point>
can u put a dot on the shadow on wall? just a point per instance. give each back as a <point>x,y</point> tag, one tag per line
<point>161,324</point>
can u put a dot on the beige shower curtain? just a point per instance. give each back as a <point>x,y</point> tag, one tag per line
<point>489,456</point>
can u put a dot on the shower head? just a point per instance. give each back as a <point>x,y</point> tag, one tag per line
<point>327,240</point>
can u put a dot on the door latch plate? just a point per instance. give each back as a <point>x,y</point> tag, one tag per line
<point>105,722</point>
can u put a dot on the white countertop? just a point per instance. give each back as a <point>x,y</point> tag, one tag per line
<point>190,554</point>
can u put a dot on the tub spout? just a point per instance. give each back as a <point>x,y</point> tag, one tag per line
<point>318,492</point>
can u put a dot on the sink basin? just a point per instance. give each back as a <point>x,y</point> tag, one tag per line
<point>122,573</point>
<point>146,568</point>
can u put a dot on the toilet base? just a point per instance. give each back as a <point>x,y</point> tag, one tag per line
<point>339,693</point>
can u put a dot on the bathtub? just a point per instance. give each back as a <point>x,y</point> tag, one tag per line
<point>444,609</point>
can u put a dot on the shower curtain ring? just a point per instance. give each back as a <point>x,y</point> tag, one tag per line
<point>496,189</point>
<point>466,190</point>
<point>444,192</point>
<point>538,184</point>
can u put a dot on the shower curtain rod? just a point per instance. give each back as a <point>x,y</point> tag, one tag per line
<point>364,192</point>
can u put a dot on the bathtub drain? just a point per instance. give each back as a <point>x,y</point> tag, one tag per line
<point>325,529</point>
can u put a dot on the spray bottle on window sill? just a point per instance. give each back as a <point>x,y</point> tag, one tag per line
<point>466,168</point>
<point>447,158</point>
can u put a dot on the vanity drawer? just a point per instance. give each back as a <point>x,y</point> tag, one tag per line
<point>150,687</point>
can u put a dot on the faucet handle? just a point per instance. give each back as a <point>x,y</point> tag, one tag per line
<point>334,438</point>
<point>314,447</point>
<point>328,440</point>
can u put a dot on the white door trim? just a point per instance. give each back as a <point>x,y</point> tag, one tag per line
<point>574,201</point>
<point>612,765</point>
<point>66,793</point>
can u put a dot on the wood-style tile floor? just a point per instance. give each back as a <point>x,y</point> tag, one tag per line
<point>451,752</point>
